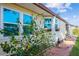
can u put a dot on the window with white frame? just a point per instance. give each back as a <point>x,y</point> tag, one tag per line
<point>10,20</point>
<point>27,20</point>
<point>47,23</point>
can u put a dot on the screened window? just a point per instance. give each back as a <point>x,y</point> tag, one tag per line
<point>47,23</point>
<point>27,20</point>
<point>10,19</point>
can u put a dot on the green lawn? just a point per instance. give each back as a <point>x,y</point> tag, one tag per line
<point>75,49</point>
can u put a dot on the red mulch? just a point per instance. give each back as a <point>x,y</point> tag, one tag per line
<point>63,50</point>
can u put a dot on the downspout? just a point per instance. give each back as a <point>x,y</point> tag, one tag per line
<point>67,30</point>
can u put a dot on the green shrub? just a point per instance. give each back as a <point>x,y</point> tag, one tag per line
<point>5,46</point>
<point>32,44</point>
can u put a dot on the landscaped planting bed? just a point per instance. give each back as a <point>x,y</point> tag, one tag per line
<point>32,42</point>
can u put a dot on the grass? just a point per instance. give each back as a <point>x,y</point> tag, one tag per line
<point>75,49</point>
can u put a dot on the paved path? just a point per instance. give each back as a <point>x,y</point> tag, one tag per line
<point>64,49</point>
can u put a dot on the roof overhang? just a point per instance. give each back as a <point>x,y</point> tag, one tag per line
<point>40,9</point>
<point>61,19</point>
<point>37,8</point>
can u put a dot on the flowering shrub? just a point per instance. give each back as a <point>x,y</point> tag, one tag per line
<point>32,44</point>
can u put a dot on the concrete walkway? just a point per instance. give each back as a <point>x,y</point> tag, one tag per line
<point>63,50</point>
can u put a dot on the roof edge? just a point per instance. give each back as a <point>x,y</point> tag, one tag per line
<point>49,11</point>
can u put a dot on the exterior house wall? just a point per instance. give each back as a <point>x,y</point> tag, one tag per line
<point>53,24</point>
<point>22,11</point>
<point>38,18</point>
<point>61,25</point>
<point>63,28</point>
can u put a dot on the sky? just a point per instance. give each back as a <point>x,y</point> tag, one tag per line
<point>68,11</point>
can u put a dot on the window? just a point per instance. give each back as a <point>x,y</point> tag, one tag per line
<point>10,19</point>
<point>56,25</point>
<point>27,20</point>
<point>47,24</point>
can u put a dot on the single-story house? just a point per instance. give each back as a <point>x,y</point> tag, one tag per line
<point>11,13</point>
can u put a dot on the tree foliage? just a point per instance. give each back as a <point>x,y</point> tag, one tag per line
<point>76,31</point>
